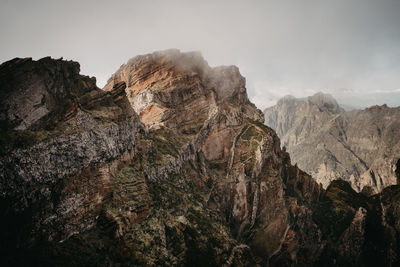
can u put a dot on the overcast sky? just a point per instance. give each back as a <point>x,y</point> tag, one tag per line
<point>349,48</point>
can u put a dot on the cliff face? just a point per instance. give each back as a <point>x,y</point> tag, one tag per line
<point>175,90</point>
<point>361,146</point>
<point>169,165</point>
<point>57,124</point>
<point>236,168</point>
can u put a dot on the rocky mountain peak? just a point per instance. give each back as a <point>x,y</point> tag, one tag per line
<point>314,108</point>
<point>324,100</point>
<point>37,92</point>
<point>320,99</point>
<point>287,99</point>
<point>377,108</point>
<point>160,85</point>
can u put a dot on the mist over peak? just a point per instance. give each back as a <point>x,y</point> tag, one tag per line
<point>280,47</point>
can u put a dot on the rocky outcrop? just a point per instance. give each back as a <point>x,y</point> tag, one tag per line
<point>164,86</point>
<point>238,159</point>
<point>360,146</point>
<point>355,226</point>
<point>81,127</point>
<point>194,179</point>
<point>353,238</point>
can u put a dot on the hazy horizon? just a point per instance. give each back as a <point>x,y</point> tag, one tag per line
<point>350,49</point>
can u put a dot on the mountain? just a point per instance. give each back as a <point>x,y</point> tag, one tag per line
<point>359,146</point>
<point>170,164</point>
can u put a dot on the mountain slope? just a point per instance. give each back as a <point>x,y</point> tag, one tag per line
<point>169,165</point>
<point>360,146</point>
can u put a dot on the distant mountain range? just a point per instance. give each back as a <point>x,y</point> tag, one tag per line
<point>325,140</point>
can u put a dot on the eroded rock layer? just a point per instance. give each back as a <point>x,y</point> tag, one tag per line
<point>169,165</point>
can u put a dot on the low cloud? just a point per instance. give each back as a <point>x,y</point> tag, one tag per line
<point>281,47</point>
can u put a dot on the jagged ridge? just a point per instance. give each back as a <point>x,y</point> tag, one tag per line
<point>195,179</point>
<point>360,146</point>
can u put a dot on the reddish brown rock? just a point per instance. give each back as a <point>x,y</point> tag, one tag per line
<point>195,179</point>
<point>180,89</point>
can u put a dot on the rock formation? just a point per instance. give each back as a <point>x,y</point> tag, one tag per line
<point>170,164</point>
<point>359,146</point>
